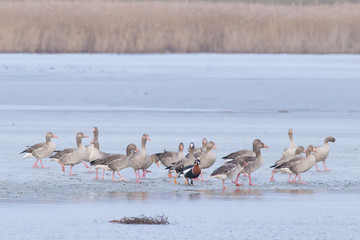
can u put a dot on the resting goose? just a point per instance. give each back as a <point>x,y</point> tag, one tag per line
<point>323,152</point>
<point>251,163</point>
<point>300,164</point>
<point>141,160</point>
<point>71,156</point>
<point>290,151</point>
<point>41,150</point>
<point>167,158</point>
<point>208,157</point>
<point>298,152</point>
<point>115,162</point>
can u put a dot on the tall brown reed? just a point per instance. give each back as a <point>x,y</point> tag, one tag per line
<point>177,26</point>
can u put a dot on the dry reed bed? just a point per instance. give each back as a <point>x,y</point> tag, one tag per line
<point>183,27</point>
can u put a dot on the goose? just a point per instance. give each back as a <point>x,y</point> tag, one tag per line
<point>141,160</point>
<point>208,157</point>
<point>191,172</point>
<point>90,147</point>
<point>41,150</point>
<point>97,154</point>
<point>299,164</point>
<point>251,163</point>
<point>290,151</point>
<point>198,151</point>
<point>167,158</point>
<point>227,171</point>
<point>299,150</point>
<point>180,165</point>
<point>115,162</point>
<point>323,152</point>
<point>71,156</point>
<point>241,153</point>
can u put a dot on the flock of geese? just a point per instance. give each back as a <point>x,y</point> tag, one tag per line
<point>189,166</point>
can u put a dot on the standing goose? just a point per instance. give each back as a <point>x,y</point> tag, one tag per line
<point>90,147</point>
<point>41,150</point>
<point>180,165</point>
<point>191,172</point>
<point>207,158</point>
<point>167,158</point>
<point>97,154</point>
<point>198,151</point>
<point>115,162</point>
<point>227,171</point>
<point>300,164</point>
<point>141,160</point>
<point>71,156</point>
<point>290,151</point>
<point>241,153</point>
<point>251,163</point>
<point>298,152</point>
<point>323,152</point>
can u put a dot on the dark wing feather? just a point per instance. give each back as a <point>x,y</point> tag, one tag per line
<point>106,160</point>
<point>33,148</point>
<point>58,155</point>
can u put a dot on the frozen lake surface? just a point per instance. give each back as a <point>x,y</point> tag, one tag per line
<point>230,99</point>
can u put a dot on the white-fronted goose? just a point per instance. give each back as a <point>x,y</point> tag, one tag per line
<point>41,150</point>
<point>290,151</point>
<point>208,157</point>
<point>300,164</point>
<point>323,152</point>
<point>71,156</point>
<point>299,150</point>
<point>141,160</point>
<point>180,165</point>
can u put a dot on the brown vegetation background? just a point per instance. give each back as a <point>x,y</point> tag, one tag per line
<point>179,26</point>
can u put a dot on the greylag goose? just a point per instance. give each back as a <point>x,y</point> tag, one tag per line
<point>208,157</point>
<point>90,147</point>
<point>180,165</point>
<point>191,172</point>
<point>115,162</point>
<point>290,151</point>
<point>41,150</point>
<point>298,152</point>
<point>97,154</point>
<point>323,152</point>
<point>167,158</point>
<point>299,164</point>
<point>141,160</point>
<point>227,171</point>
<point>71,156</point>
<point>251,163</point>
<point>241,153</point>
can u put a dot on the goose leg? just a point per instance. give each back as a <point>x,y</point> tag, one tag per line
<point>85,164</point>
<point>272,179</point>
<point>301,180</point>
<point>326,169</point>
<point>35,164</point>
<point>96,177</point>
<point>290,177</point>
<point>103,174</point>
<point>250,183</point>
<point>113,176</point>
<point>223,185</point>
<point>317,169</point>
<point>71,174</point>
<point>122,179</point>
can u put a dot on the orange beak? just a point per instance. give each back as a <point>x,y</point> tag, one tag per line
<point>214,147</point>
<point>54,136</point>
<point>265,146</point>
<point>147,138</point>
<point>86,136</point>
<point>137,150</point>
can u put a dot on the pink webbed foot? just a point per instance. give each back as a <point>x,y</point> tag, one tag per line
<point>237,184</point>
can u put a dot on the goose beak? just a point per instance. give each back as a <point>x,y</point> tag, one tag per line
<point>54,136</point>
<point>86,136</point>
<point>137,150</point>
<point>158,164</point>
<point>314,150</point>
<point>214,147</point>
<point>304,151</point>
<point>147,138</point>
<point>265,146</point>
